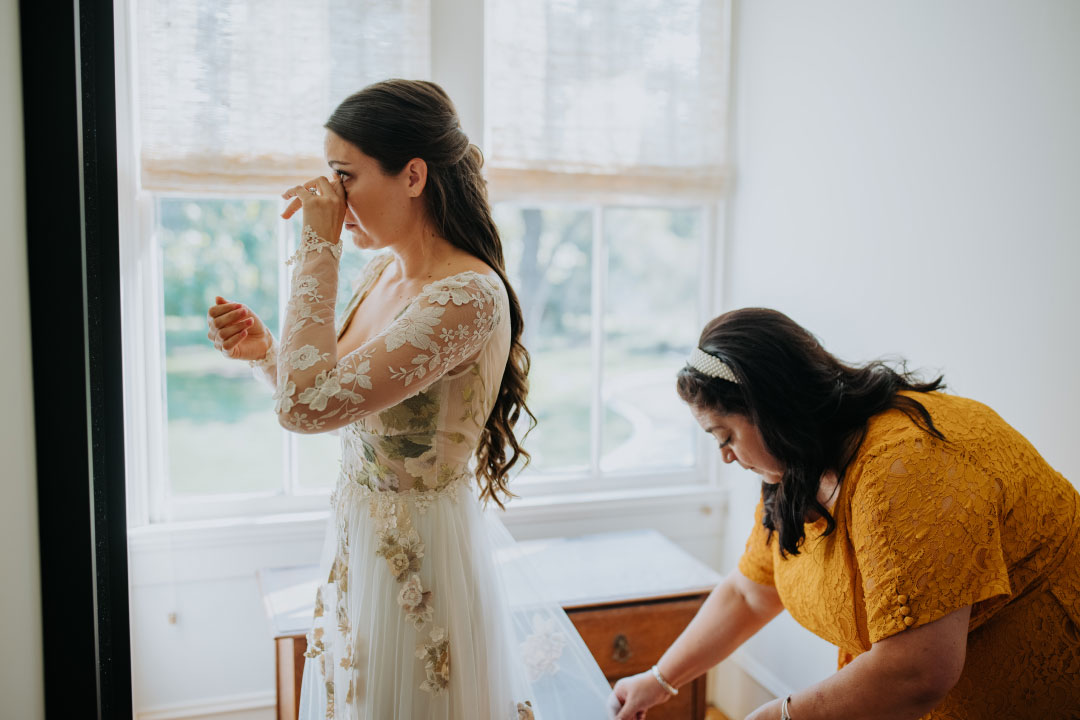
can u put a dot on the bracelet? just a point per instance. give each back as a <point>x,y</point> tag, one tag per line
<point>664,683</point>
<point>784,714</point>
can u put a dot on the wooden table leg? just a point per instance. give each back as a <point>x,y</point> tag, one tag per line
<point>290,675</point>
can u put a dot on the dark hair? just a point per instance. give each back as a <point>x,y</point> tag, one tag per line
<point>395,121</point>
<point>812,409</point>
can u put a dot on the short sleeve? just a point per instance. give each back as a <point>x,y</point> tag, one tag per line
<point>926,530</point>
<point>756,562</point>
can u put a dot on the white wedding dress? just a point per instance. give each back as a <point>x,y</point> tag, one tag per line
<point>414,620</point>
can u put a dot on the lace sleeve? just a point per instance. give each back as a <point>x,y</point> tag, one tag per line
<point>316,391</point>
<point>265,368</point>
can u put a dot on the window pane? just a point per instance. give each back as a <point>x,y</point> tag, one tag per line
<point>223,436</point>
<point>318,460</point>
<point>318,456</point>
<point>650,324</point>
<point>549,259</point>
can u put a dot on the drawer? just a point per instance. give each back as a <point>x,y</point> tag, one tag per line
<point>627,639</point>
<point>680,707</point>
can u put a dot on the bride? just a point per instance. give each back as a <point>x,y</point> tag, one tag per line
<point>425,373</point>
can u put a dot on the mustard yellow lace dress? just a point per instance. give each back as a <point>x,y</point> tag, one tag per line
<point>926,527</point>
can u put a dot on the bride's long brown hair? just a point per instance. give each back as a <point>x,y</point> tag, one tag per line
<point>395,121</point>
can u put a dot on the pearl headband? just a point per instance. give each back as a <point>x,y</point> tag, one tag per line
<point>711,365</point>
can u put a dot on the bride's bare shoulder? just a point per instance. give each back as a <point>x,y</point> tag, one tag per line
<point>464,262</point>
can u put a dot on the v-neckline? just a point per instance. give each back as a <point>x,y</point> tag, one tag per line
<point>362,293</point>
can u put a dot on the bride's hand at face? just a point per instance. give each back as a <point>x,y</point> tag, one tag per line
<point>236,331</point>
<point>323,203</point>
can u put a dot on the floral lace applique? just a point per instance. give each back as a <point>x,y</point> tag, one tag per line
<point>400,545</point>
<point>423,501</point>
<point>423,468</point>
<point>472,396</point>
<point>402,550</point>
<point>311,242</point>
<point>315,644</point>
<point>416,601</point>
<point>450,347</point>
<point>436,657</point>
<point>448,322</point>
<point>542,649</point>
<point>330,713</point>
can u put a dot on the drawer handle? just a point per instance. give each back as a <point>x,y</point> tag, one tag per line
<point>621,649</point>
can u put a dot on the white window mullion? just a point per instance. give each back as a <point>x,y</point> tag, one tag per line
<point>153,351</point>
<point>599,286</point>
<point>710,304</point>
<point>289,452</point>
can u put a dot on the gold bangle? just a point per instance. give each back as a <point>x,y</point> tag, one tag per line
<point>664,683</point>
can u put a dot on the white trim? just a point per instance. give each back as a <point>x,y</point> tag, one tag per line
<point>709,303</point>
<point>536,486</point>
<point>215,533</point>
<point>197,551</point>
<point>586,505</point>
<point>598,279</point>
<point>208,708</point>
<point>141,301</point>
<point>761,674</point>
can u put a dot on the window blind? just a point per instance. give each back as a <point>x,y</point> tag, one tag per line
<point>607,96</point>
<point>232,94</point>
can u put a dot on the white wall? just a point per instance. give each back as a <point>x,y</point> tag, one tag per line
<point>21,682</point>
<point>907,182</point>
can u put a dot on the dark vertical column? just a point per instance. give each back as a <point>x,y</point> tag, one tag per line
<point>73,255</point>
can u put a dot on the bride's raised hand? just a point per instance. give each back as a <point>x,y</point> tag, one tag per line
<point>323,203</point>
<point>236,331</point>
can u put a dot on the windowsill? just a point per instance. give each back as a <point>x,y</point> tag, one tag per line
<point>539,509</point>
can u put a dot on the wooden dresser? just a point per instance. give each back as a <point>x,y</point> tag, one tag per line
<point>629,595</point>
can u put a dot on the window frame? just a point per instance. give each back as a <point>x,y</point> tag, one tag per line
<point>539,484</point>
<point>457,61</point>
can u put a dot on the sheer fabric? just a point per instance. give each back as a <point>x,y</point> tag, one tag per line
<point>415,620</point>
<point>604,96</point>
<point>926,527</point>
<point>234,94</point>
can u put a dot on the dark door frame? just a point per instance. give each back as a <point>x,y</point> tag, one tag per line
<point>69,114</point>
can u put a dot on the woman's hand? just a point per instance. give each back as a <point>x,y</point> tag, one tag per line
<point>638,693</point>
<point>236,331</point>
<point>323,202</point>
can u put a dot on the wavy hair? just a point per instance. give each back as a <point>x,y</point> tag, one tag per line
<point>395,121</point>
<point>811,408</point>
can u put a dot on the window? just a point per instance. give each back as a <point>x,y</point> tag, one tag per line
<point>603,132</point>
<point>222,434</point>
<point>609,298</point>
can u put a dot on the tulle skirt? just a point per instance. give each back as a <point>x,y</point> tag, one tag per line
<point>416,621</point>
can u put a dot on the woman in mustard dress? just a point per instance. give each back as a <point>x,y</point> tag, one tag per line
<point>917,531</point>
